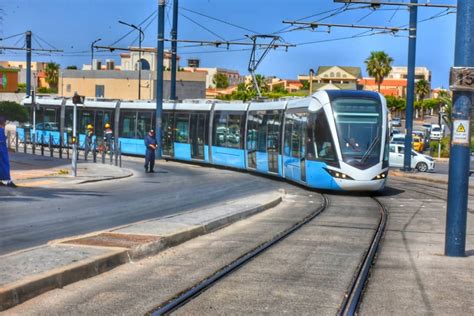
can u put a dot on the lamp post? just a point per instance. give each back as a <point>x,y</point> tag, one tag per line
<point>92,52</point>
<point>311,74</point>
<point>141,37</point>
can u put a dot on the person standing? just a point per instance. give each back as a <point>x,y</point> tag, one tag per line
<point>108,137</point>
<point>5,178</point>
<point>88,143</point>
<point>151,145</point>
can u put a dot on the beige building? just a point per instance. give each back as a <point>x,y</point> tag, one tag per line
<point>232,75</point>
<point>334,78</point>
<point>402,73</point>
<point>112,84</point>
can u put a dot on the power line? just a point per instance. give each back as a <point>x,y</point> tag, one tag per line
<point>314,25</point>
<point>131,31</point>
<point>203,27</point>
<point>11,36</point>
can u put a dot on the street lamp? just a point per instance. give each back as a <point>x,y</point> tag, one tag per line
<point>311,74</point>
<point>92,52</point>
<point>141,37</point>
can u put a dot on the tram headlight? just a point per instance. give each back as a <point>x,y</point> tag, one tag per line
<point>381,176</point>
<point>338,175</point>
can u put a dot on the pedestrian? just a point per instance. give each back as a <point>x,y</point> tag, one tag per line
<point>108,137</point>
<point>5,179</point>
<point>151,145</point>
<point>88,143</point>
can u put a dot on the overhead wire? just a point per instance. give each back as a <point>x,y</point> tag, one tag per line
<point>203,27</point>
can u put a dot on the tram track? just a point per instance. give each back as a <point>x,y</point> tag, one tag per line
<point>354,291</point>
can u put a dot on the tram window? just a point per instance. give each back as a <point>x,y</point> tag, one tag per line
<point>262,132</point>
<point>86,118</point>
<point>322,138</point>
<point>252,130</point>
<point>234,131</point>
<point>296,137</point>
<point>273,131</point>
<point>143,124</point>
<point>127,124</point>
<point>68,119</point>
<point>288,132</point>
<point>220,129</point>
<point>182,128</point>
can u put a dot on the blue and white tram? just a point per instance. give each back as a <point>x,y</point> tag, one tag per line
<point>336,140</point>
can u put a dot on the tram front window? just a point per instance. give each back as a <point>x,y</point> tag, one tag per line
<point>359,128</point>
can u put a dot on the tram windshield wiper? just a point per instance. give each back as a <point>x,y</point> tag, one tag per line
<point>370,149</point>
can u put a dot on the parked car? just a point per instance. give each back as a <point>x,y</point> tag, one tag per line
<point>418,143</point>
<point>398,139</point>
<point>422,163</point>
<point>436,132</point>
<point>395,131</point>
<point>396,122</point>
<point>427,127</point>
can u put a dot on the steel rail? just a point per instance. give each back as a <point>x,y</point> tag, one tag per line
<point>352,298</point>
<point>188,294</point>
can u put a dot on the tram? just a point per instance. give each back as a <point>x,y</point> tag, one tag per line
<point>335,140</point>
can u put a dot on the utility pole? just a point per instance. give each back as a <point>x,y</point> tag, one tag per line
<point>174,46</point>
<point>462,84</point>
<point>28,63</point>
<point>159,74</point>
<point>410,85</point>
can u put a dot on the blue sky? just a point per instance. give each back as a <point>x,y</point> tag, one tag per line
<point>71,25</point>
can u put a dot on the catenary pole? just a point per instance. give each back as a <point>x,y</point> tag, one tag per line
<point>159,74</point>
<point>410,85</point>
<point>28,63</point>
<point>174,48</point>
<point>458,186</point>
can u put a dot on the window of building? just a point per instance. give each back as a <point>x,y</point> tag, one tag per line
<point>332,75</point>
<point>99,91</point>
<point>68,87</point>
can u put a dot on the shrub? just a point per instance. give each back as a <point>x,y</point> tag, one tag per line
<point>13,111</point>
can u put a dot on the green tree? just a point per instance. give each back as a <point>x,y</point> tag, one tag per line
<point>422,89</point>
<point>379,65</point>
<point>72,67</point>
<point>305,84</point>
<point>52,74</point>
<point>13,111</point>
<point>220,80</point>
<point>279,89</point>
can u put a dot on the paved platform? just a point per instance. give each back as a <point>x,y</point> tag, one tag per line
<point>28,170</point>
<point>28,273</point>
<point>425,176</point>
<point>411,275</point>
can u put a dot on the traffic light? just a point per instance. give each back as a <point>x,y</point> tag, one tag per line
<point>77,99</point>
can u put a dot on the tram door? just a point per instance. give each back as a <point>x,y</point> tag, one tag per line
<point>168,138</point>
<point>252,131</point>
<point>273,141</point>
<point>198,134</point>
<point>295,146</point>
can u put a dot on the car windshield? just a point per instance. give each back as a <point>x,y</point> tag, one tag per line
<point>436,129</point>
<point>358,123</point>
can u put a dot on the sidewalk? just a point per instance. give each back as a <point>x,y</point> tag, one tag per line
<point>29,170</point>
<point>28,273</point>
<point>425,176</point>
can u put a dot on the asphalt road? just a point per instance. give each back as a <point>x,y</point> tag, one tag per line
<point>34,216</point>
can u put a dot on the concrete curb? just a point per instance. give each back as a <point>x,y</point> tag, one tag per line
<point>18,292</point>
<point>130,174</point>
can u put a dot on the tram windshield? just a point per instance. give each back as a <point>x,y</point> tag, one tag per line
<point>359,129</point>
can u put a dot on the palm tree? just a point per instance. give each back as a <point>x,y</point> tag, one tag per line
<point>422,89</point>
<point>379,65</point>
<point>52,74</point>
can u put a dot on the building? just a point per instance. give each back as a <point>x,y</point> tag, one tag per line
<point>37,71</point>
<point>8,80</point>
<point>232,75</point>
<point>113,84</point>
<point>395,84</point>
<point>287,84</point>
<point>335,78</point>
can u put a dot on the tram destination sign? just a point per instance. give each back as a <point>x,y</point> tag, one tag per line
<point>461,79</point>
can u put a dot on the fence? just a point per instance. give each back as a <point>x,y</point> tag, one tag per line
<point>47,145</point>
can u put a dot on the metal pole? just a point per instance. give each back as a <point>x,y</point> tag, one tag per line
<point>458,186</point>
<point>92,53</point>
<point>174,48</point>
<point>140,63</point>
<point>410,85</point>
<point>74,143</point>
<point>159,73</point>
<point>28,63</point>
<point>311,73</point>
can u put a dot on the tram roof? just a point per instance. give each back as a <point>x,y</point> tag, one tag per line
<point>263,106</point>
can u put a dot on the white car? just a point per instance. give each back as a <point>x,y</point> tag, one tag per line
<point>422,163</point>
<point>436,132</point>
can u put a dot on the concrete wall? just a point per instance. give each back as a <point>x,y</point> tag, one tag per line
<point>15,97</point>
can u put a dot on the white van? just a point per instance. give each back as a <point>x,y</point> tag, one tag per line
<point>422,163</point>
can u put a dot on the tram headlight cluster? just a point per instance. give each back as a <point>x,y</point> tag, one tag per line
<point>338,175</point>
<point>381,176</point>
